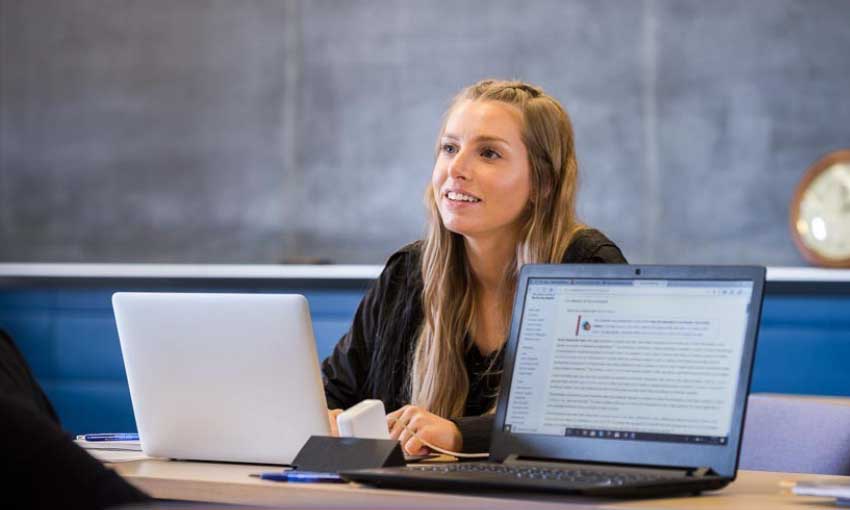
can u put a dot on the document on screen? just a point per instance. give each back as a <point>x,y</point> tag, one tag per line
<point>656,359</point>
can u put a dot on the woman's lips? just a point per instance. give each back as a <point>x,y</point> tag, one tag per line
<point>458,195</point>
<point>457,205</point>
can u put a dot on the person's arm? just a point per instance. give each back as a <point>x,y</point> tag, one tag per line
<point>43,468</point>
<point>346,370</point>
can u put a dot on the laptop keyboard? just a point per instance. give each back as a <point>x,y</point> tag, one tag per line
<point>576,476</point>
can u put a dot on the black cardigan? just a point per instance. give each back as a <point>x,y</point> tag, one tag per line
<point>372,360</point>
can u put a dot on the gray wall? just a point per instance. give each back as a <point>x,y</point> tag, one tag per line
<point>262,131</point>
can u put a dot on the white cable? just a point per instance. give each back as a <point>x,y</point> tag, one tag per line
<point>443,451</point>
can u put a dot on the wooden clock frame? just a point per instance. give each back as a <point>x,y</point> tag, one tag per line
<point>820,166</point>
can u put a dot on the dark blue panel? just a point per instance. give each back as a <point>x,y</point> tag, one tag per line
<point>803,359</point>
<point>32,331</point>
<point>803,345</point>
<point>337,303</point>
<point>323,302</point>
<point>98,299</point>
<point>92,406</point>
<point>806,310</point>
<point>27,298</point>
<point>87,346</point>
<point>328,333</point>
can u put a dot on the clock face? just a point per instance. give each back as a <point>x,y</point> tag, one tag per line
<point>823,222</point>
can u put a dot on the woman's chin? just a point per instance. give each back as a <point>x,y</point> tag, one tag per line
<point>466,231</point>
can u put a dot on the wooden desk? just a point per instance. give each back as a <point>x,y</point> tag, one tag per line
<point>231,483</point>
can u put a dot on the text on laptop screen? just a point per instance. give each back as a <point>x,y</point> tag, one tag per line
<point>635,360</point>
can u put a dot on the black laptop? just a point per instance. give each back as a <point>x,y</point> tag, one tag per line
<point>618,380</point>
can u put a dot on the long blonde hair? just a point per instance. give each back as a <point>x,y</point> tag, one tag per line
<point>438,376</point>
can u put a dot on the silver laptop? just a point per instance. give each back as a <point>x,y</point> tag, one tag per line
<point>224,377</point>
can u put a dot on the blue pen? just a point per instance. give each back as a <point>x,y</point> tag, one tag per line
<point>113,436</point>
<point>301,477</point>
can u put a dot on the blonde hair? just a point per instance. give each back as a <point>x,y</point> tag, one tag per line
<point>438,377</point>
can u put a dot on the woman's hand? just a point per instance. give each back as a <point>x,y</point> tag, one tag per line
<point>430,427</point>
<point>332,414</point>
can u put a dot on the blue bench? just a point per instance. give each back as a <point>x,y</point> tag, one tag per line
<point>67,333</point>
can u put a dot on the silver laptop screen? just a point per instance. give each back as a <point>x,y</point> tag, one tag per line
<point>630,360</point>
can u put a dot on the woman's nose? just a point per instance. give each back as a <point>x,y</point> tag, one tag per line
<point>459,166</point>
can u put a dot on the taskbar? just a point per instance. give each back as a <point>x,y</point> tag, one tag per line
<point>645,436</point>
<point>621,435</point>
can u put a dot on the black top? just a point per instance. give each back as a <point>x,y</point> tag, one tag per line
<point>373,359</point>
<point>16,380</point>
<point>40,464</point>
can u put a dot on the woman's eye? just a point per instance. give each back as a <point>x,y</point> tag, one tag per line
<point>449,148</point>
<point>490,154</point>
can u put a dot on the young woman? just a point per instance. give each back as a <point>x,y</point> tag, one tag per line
<point>427,338</point>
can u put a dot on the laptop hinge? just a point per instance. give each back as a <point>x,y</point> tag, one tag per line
<point>701,471</point>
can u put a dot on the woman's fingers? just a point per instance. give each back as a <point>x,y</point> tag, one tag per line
<point>397,420</point>
<point>394,424</point>
<point>414,447</point>
<point>406,422</point>
<point>418,427</point>
<point>332,414</point>
<point>413,426</point>
<point>405,435</point>
<point>416,424</point>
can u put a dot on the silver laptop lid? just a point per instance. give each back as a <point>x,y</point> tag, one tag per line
<point>226,377</point>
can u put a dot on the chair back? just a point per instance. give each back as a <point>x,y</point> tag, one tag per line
<point>797,434</point>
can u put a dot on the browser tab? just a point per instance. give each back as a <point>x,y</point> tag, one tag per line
<point>650,283</point>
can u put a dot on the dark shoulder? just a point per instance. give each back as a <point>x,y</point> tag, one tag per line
<point>407,252</point>
<point>393,298</point>
<point>590,246</point>
<point>405,258</point>
<point>402,267</point>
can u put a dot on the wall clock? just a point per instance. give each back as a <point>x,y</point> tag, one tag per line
<point>820,211</point>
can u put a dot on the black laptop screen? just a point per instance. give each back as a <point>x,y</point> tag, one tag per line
<point>629,360</point>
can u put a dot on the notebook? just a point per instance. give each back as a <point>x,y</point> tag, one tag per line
<point>618,380</point>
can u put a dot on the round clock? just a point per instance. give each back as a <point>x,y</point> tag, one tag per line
<point>820,211</point>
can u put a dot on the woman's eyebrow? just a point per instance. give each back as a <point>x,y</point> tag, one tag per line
<point>480,138</point>
<point>490,138</point>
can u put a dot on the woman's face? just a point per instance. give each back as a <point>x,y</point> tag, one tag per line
<point>482,180</point>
